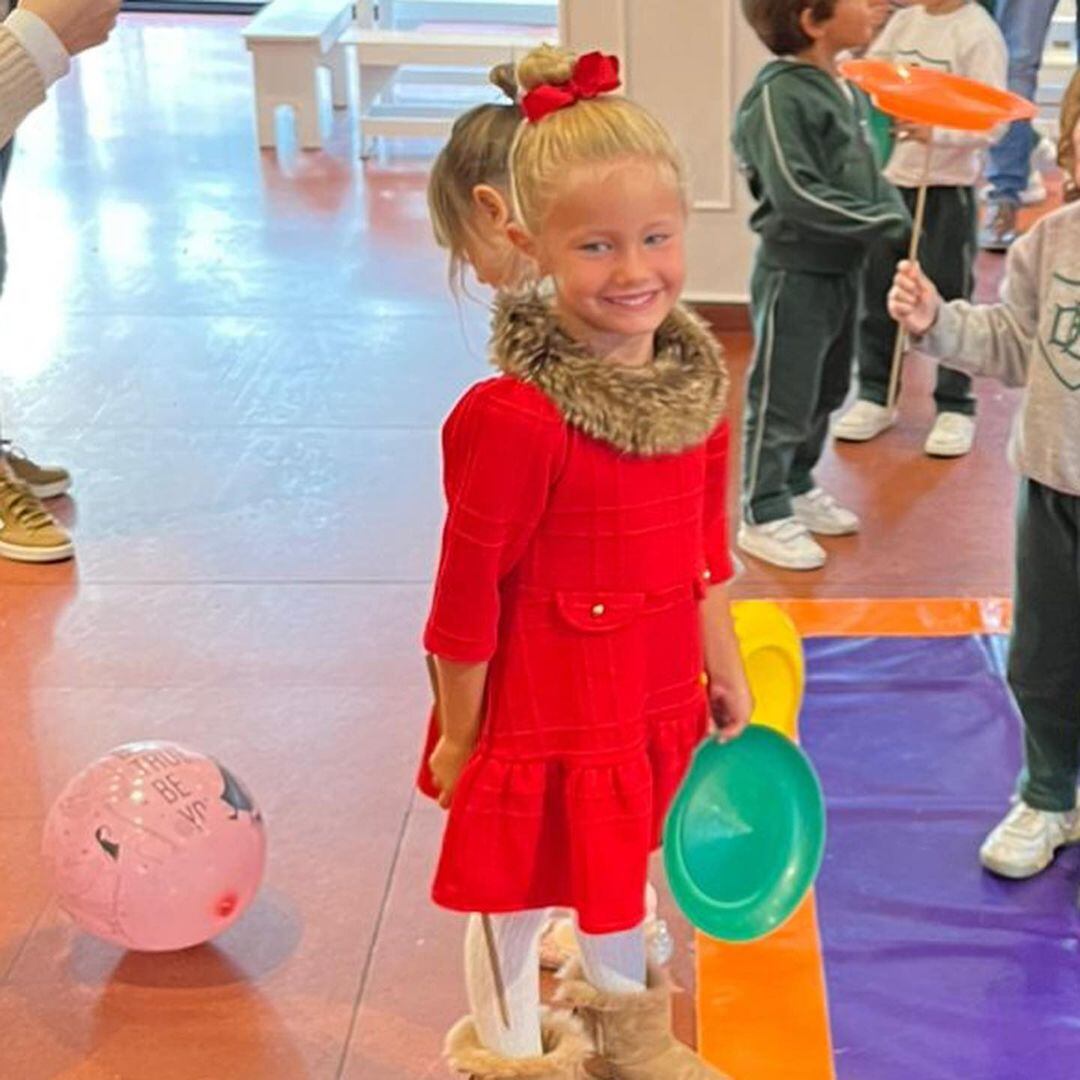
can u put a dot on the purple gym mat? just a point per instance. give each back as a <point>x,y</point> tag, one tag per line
<point>935,969</point>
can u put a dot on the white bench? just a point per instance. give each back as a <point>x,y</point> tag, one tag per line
<point>1063,28</point>
<point>405,14</point>
<point>380,54</point>
<point>289,40</point>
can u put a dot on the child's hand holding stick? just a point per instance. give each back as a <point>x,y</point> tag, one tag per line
<point>913,299</point>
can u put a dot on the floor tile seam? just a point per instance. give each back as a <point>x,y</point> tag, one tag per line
<point>365,973</point>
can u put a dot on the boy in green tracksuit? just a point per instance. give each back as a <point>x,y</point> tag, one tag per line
<point>802,138</point>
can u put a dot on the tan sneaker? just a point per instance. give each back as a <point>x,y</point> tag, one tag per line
<point>28,532</point>
<point>45,481</point>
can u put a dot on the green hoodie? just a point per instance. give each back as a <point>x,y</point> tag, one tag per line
<point>805,149</point>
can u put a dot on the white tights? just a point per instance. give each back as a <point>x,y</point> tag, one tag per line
<point>612,962</point>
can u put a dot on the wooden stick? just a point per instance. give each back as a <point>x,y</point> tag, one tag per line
<point>913,255</point>
<point>433,677</point>
<point>496,970</point>
<point>489,931</point>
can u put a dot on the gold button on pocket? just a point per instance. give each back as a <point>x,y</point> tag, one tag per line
<point>597,612</point>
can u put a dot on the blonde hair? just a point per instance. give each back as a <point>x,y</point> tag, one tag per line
<point>1070,118</point>
<point>595,130</point>
<point>477,152</point>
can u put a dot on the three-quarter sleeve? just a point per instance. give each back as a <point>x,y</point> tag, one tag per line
<point>502,449</point>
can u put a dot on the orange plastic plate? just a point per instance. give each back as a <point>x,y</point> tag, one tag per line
<point>922,95</point>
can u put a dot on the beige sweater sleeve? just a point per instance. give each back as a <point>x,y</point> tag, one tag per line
<point>22,88</point>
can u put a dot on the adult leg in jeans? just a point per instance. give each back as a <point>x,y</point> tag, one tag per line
<point>1025,24</point>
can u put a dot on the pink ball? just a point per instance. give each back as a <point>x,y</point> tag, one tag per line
<point>155,847</point>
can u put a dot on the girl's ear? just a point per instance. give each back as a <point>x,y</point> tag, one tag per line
<point>491,205</point>
<point>524,241</point>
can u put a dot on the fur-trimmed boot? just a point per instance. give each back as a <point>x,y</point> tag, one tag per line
<point>566,1048</point>
<point>632,1032</point>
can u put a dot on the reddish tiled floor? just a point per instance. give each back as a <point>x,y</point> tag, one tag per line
<point>244,359</point>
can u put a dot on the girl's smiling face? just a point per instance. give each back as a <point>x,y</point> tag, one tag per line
<point>613,243</point>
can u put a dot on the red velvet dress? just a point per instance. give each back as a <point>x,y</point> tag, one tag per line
<point>576,569</point>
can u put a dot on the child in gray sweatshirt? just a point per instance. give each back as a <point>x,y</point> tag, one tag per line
<point>1031,339</point>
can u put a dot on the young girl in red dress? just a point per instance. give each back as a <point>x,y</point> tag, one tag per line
<point>580,590</point>
<point>469,202</point>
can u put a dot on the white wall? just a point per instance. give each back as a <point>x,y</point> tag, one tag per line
<point>689,61</point>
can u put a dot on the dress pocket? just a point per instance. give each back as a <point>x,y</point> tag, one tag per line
<point>598,612</point>
<point>571,678</point>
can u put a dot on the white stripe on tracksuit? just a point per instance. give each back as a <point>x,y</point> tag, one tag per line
<point>763,403</point>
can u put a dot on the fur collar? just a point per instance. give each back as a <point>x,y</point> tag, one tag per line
<point>667,407</point>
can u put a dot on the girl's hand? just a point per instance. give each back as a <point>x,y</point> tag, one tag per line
<point>731,704</point>
<point>447,762</point>
<point>913,299</point>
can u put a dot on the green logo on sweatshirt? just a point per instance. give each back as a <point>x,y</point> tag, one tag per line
<point>1061,345</point>
<point>915,58</point>
<point>1066,334</point>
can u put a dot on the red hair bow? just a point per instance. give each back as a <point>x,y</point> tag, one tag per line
<point>594,74</point>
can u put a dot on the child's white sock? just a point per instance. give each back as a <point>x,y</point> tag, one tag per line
<point>517,942</point>
<point>614,963</point>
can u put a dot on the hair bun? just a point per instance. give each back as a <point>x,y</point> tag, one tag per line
<point>504,76</point>
<point>545,65</point>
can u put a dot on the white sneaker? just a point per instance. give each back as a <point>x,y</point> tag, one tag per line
<point>952,435</point>
<point>865,420</point>
<point>1035,192</point>
<point>785,543</point>
<point>1026,840</point>
<point>822,514</point>
<point>1043,159</point>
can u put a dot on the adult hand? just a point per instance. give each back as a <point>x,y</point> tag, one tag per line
<point>79,24</point>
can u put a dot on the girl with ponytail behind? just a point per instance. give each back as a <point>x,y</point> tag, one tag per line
<point>468,192</point>
<point>580,591</point>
